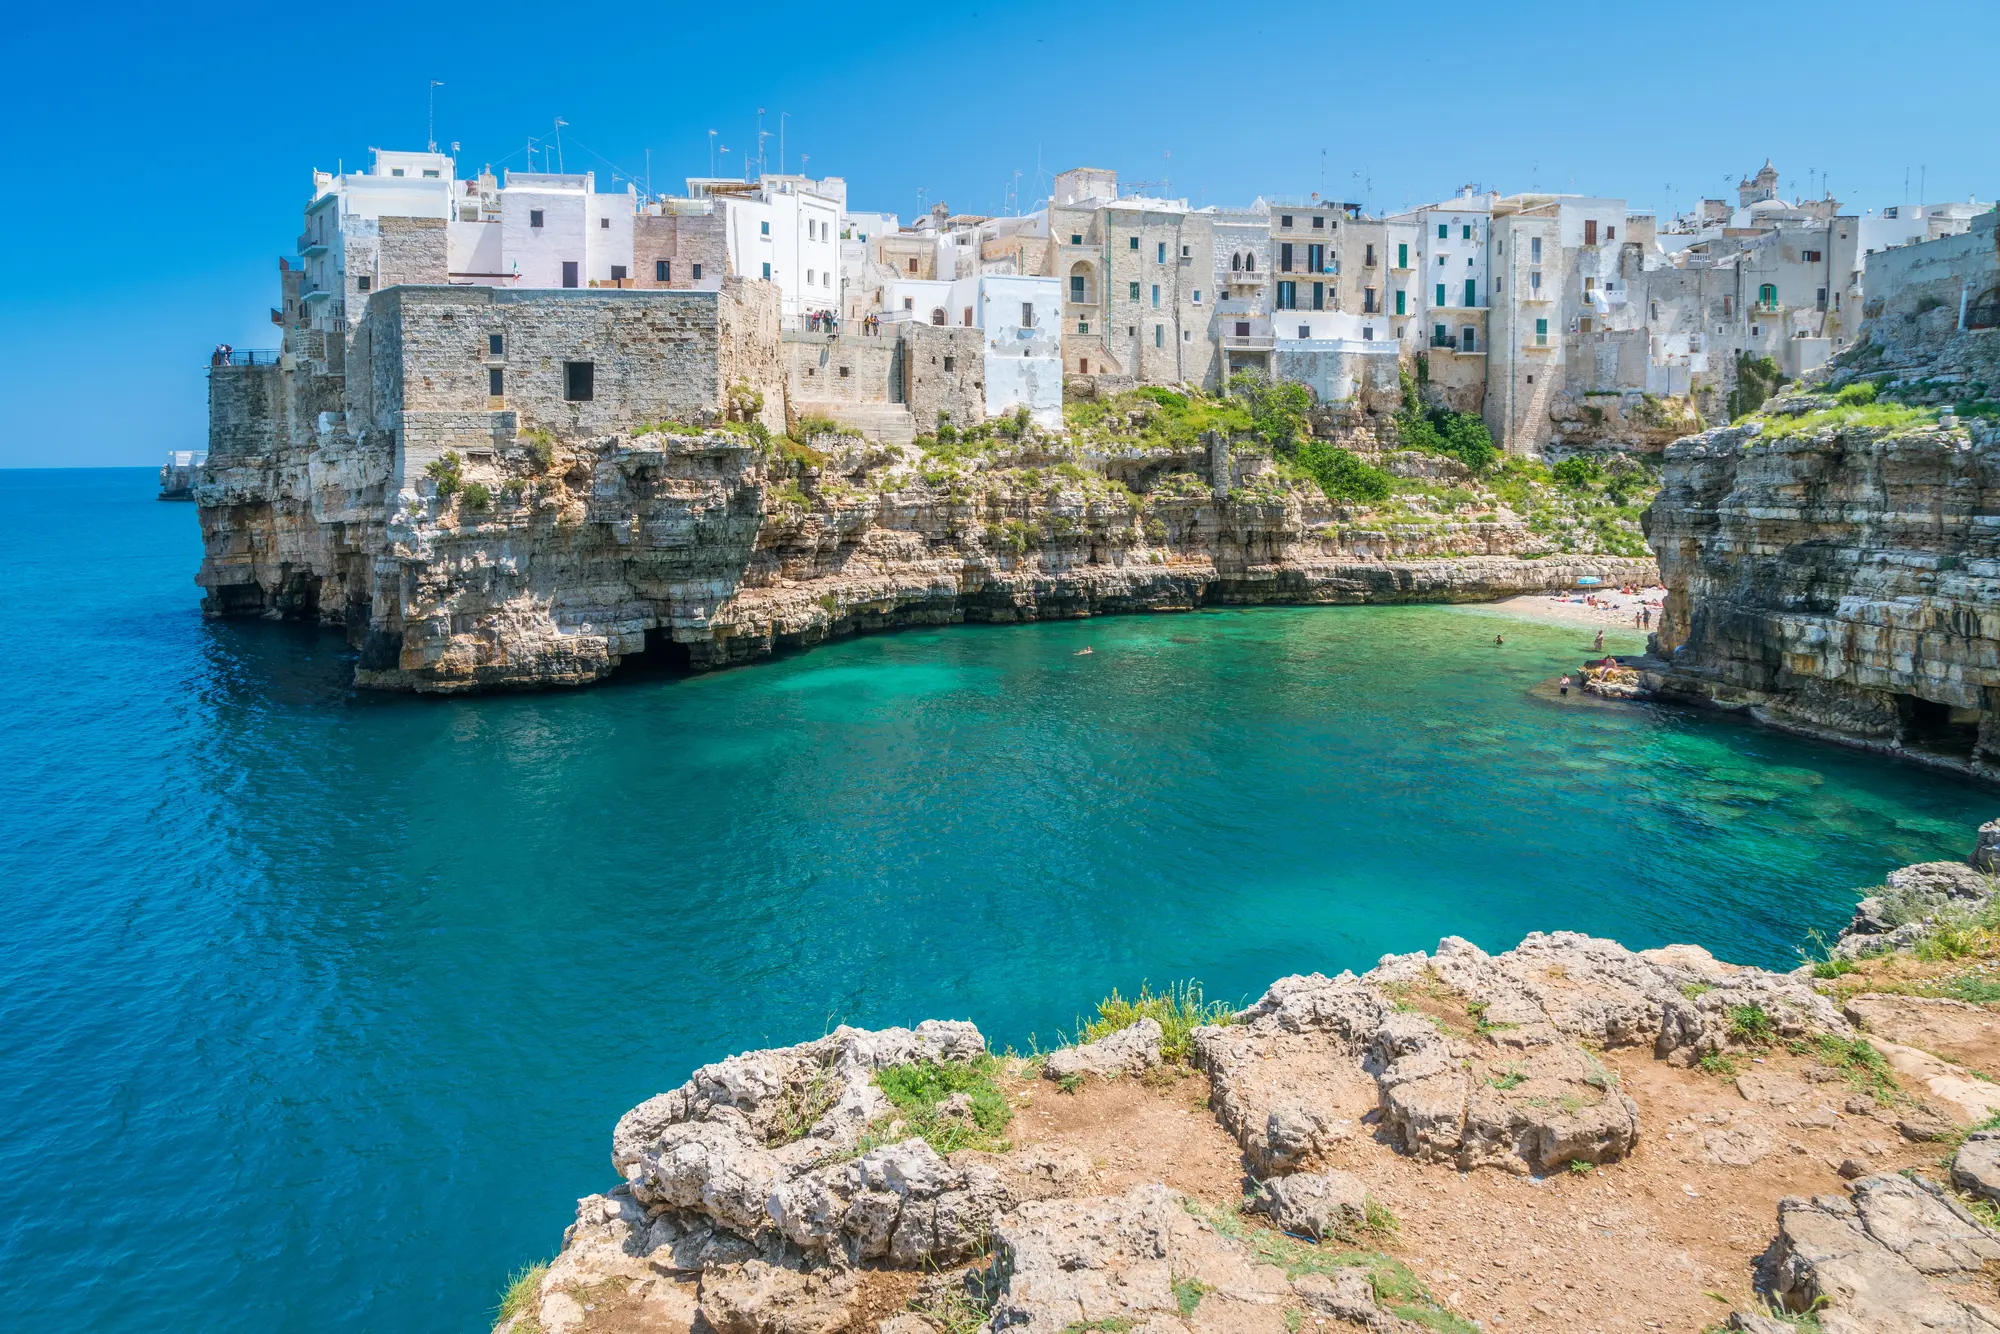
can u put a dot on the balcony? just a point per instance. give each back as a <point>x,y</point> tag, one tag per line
<point>1543,295</point>
<point>246,357</point>
<point>309,247</point>
<point>1248,342</point>
<point>1248,278</point>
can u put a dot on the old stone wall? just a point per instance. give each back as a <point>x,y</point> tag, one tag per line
<point>944,372</point>
<point>841,368</point>
<point>682,242</point>
<point>412,250</point>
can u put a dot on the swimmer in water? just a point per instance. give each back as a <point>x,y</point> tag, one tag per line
<point>1080,652</point>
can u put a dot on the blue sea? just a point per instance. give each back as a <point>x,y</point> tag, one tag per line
<point>317,1007</point>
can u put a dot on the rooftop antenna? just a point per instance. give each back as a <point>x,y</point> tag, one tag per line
<point>649,173</point>
<point>762,135</point>
<point>711,153</point>
<point>782,116</point>
<point>1322,171</point>
<point>432,137</point>
<point>1017,192</point>
<point>560,122</point>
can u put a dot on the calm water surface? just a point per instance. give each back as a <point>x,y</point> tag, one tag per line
<point>316,1009</point>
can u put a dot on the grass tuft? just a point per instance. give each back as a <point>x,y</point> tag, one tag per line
<point>919,1089</point>
<point>1188,1293</point>
<point>522,1297</point>
<point>1179,1011</point>
<point>1856,1058</point>
<point>1752,1025</point>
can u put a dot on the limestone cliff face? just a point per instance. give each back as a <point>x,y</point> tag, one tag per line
<point>1843,582</point>
<point>711,550</point>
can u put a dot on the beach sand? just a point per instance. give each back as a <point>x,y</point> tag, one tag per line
<point>1614,610</point>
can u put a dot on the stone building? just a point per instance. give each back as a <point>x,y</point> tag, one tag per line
<point>1138,274</point>
<point>1240,250</point>
<point>679,245</point>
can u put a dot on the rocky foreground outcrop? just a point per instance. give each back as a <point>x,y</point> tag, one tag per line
<point>1450,1134</point>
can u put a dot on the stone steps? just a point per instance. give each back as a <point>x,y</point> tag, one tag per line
<point>885,423</point>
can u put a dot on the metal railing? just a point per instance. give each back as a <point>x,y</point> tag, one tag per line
<point>247,357</point>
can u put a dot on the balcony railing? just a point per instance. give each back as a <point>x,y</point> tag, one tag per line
<point>1248,277</point>
<point>246,357</point>
<point>1248,342</point>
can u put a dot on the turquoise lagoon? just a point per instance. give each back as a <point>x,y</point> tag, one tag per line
<point>316,1008</point>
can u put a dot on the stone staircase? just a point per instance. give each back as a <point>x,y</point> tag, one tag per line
<point>885,423</point>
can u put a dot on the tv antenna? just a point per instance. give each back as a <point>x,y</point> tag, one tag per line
<point>432,137</point>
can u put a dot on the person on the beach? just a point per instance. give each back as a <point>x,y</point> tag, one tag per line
<point>1647,623</point>
<point>1498,640</point>
<point>1598,647</point>
<point>1563,685</point>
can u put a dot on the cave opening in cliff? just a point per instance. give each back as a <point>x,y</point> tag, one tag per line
<point>662,656</point>
<point>1939,729</point>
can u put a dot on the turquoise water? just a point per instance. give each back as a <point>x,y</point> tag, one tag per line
<point>316,1009</point>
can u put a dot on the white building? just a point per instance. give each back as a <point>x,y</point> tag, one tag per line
<point>342,228</point>
<point>1022,319</point>
<point>785,230</point>
<point>558,231</point>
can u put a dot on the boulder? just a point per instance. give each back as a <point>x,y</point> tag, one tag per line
<point>1899,1254</point>
<point>1316,1204</point>
<point>760,1298</point>
<point>1344,1296</point>
<point>1975,1168</point>
<point>1125,1052</point>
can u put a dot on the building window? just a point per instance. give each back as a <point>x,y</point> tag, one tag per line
<point>364,283</point>
<point>1156,296</point>
<point>1468,232</point>
<point>949,361</point>
<point>1590,231</point>
<point>1083,365</point>
<point>763,229</point>
<point>496,345</point>
<point>767,270</point>
<point>1305,331</point>
<point>604,224</point>
<point>1368,301</point>
<point>694,272</point>
<point>937,315</point>
<point>569,275</point>
<point>1027,314</point>
<point>1160,253</point>
<point>1076,238</point>
<point>1767,296</point>
<point>1442,229</point>
<point>534,217</point>
<point>1186,252</point>
<point>495,378</point>
<point>662,271</point>
<point>1534,280</point>
<point>1076,288</point>
<point>1285,220</point>
<point>1611,233</point>
<point>1134,243</point>
<point>1197,296</point>
<point>1402,255</point>
<point>1083,326</point>
<point>1320,223</point>
<point>1471,293</point>
<point>1402,301</point>
<point>1319,296</point>
<point>1810,256</point>
<point>617,273</point>
<point>809,276</point>
<point>909,303</point>
<point>1368,260</point>
<point>395,171</point>
<point>1242,328</point>
<point>1728,309</point>
<point>1440,294</point>
<point>1159,335</point>
<point>1133,288</point>
<point>1367,333</point>
<point>1541,333</point>
<point>1288,296</point>
<point>579,381</point>
<point>1534,250</point>
<point>1467,337</point>
<point>968,317</point>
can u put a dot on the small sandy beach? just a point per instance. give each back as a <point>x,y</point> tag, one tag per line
<point>1612,609</point>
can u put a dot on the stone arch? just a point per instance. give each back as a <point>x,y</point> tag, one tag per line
<point>937,315</point>
<point>1983,312</point>
<point>1083,283</point>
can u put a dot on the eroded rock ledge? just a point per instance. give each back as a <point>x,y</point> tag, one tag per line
<point>1568,1097</point>
<point>705,549</point>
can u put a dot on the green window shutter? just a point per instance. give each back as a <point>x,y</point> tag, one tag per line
<point>1135,290</point>
<point>1442,230</point>
<point>1403,256</point>
<point>1400,294</point>
<point>1471,293</point>
<point>1440,300</point>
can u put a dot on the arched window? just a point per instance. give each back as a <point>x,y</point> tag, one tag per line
<point>1250,262</point>
<point>937,315</point>
<point>1235,263</point>
<point>1082,288</point>
<point>1767,296</point>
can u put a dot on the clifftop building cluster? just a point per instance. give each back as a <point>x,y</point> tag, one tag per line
<point>1562,320</point>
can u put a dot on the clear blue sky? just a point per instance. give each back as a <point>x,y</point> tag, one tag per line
<point>162,156</point>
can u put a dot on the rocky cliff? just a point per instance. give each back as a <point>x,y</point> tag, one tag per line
<point>1834,568</point>
<point>547,561</point>
<point>1449,1142</point>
